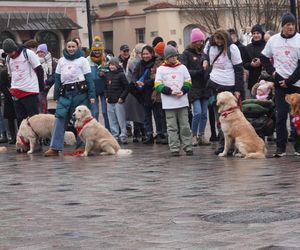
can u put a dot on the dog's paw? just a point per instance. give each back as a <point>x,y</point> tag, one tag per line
<point>84,154</point>
<point>238,155</point>
<point>222,154</point>
<point>30,152</point>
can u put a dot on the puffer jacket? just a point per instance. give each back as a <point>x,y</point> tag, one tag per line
<point>116,86</point>
<point>192,60</point>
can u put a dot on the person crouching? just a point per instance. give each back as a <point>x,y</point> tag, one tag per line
<point>174,81</point>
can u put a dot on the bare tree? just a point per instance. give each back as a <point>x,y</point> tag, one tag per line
<point>208,13</point>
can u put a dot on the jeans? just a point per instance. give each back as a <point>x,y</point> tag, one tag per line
<point>95,110</point>
<point>199,116</point>
<point>282,109</point>
<point>117,120</point>
<point>159,117</point>
<point>58,132</point>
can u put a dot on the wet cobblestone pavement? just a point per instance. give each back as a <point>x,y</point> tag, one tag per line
<point>149,200</point>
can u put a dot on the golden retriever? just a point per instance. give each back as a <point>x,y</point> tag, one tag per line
<point>237,129</point>
<point>38,127</point>
<point>96,137</point>
<point>294,101</point>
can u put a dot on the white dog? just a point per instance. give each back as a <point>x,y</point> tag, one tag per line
<point>38,127</point>
<point>237,129</point>
<point>96,137</point>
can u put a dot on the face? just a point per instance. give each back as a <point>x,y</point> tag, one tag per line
<point>125,53</point>
<point>219,40</point>
<point>172,59</point>
<point>97,53</point>
<point>146,55</point>
<point>289,29</point>
<point>256,36</point>
<point>71,47</point>
<point>112,67</point>
<point>234,38</point>
<point>41,54</point>
<point>199,44</point>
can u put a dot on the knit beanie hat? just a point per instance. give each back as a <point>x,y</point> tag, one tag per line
<point>287,18</point>
<point>170,51</point>
<point>257,28</point>
<point>159,48</point>
<point>9,45</point>
<point>197,35</point>
<point>115,61</point>
<point>98,43</point>
<point>156,40</point>
<point>42,48</point>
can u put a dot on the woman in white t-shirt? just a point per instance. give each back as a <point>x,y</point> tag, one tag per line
<point>224,59</point>
<point>73,87</point>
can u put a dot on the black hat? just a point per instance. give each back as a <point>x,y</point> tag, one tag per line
<point>287,18</point>
<point>124,47</point>
<point>9,45</point>
<point>257,28</point>
<point>156,40</point>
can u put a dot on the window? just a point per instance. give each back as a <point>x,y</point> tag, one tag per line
<point>108,39</point>
<point>154,34</point>
<point>140,35</point>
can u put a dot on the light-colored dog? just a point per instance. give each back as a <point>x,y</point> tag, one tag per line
<point>294,101</point>
<point>237,129</point>
<point>38,127</point>
<point>96,137</point>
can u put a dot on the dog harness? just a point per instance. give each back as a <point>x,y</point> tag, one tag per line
<point>227,112</point>
<point>24,142</point>
<point>296,121</point>
<point>85,122</point>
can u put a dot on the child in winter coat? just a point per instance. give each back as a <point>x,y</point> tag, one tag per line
<point>174,81</point>
<point>117,88</point>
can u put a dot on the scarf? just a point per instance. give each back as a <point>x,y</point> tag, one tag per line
<point>77,54</point>
<point>171,65</point>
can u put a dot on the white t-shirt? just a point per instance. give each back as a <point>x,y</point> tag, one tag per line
<point>23,76</point>
<point>174,79</point>
<point>222,72</point>
<point>72,71</point>
<point>285,54</point>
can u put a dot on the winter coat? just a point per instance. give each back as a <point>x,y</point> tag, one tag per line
<point>192,60</point>
<point>254,50</point>
<point>144,94</point>
<point>99,81</point>
<point>116,86</point>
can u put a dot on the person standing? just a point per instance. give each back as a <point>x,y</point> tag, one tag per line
<point>199,93</point>
<point>174,81</point>
<point>254,49</point>
<point>27,78</point>
<point>284,49</point>
<point>74,86</point>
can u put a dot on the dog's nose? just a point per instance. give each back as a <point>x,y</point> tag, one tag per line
<point>73,117</point>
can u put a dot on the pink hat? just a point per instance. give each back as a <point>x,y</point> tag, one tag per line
<point>197,35</point>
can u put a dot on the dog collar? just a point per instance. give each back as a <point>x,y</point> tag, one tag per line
<point>24,142</point>
<point>227,112</point>
<point>296,121</point>
<point>85,122</point>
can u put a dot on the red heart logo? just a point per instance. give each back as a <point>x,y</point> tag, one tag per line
<point>173,76</point>
<point>287,52</point>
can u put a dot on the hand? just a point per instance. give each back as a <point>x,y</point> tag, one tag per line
<point>282,84</point>
<point>205,65</point>
<point>92,100</point>
<point>120,100</point>
<point>256,63</point>
<point>237,94</point>
<point>140,84</point>
<point>177,93</point>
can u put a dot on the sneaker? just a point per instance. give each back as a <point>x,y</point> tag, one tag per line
<point>202,141</point>
<point>51,152</point>
<point>297,152</point>
<point>175,153</point>
<point>279,153</point>
<point>189,153</point>
<point>195,141</point>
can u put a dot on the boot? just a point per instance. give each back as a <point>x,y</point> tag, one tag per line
<point>202,140</point>
<point>51,152</point>
<point>149,140</point>
<point>195,140</point>
<point>3,138</point>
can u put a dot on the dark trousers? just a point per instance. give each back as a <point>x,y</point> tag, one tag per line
<point>282,111</point>
<point>26,107</point>
<point>159,117</point>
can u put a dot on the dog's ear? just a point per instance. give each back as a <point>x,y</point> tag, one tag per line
<point>288,98</point>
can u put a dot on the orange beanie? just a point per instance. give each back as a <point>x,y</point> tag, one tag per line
<point>159,48</point>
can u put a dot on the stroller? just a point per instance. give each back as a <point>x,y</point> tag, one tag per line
<point>261,115</point>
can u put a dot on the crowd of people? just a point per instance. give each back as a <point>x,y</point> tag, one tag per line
<point>152,83</point>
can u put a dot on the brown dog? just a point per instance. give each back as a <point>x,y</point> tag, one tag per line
<point>237,129</point>
<point>96,137</point>
<point>294,101</point>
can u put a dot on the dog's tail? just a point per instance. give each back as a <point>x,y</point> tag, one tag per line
<point>256,155</point>
<point>122,152</point>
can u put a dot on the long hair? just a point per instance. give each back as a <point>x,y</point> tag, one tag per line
<point>223,35</point>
